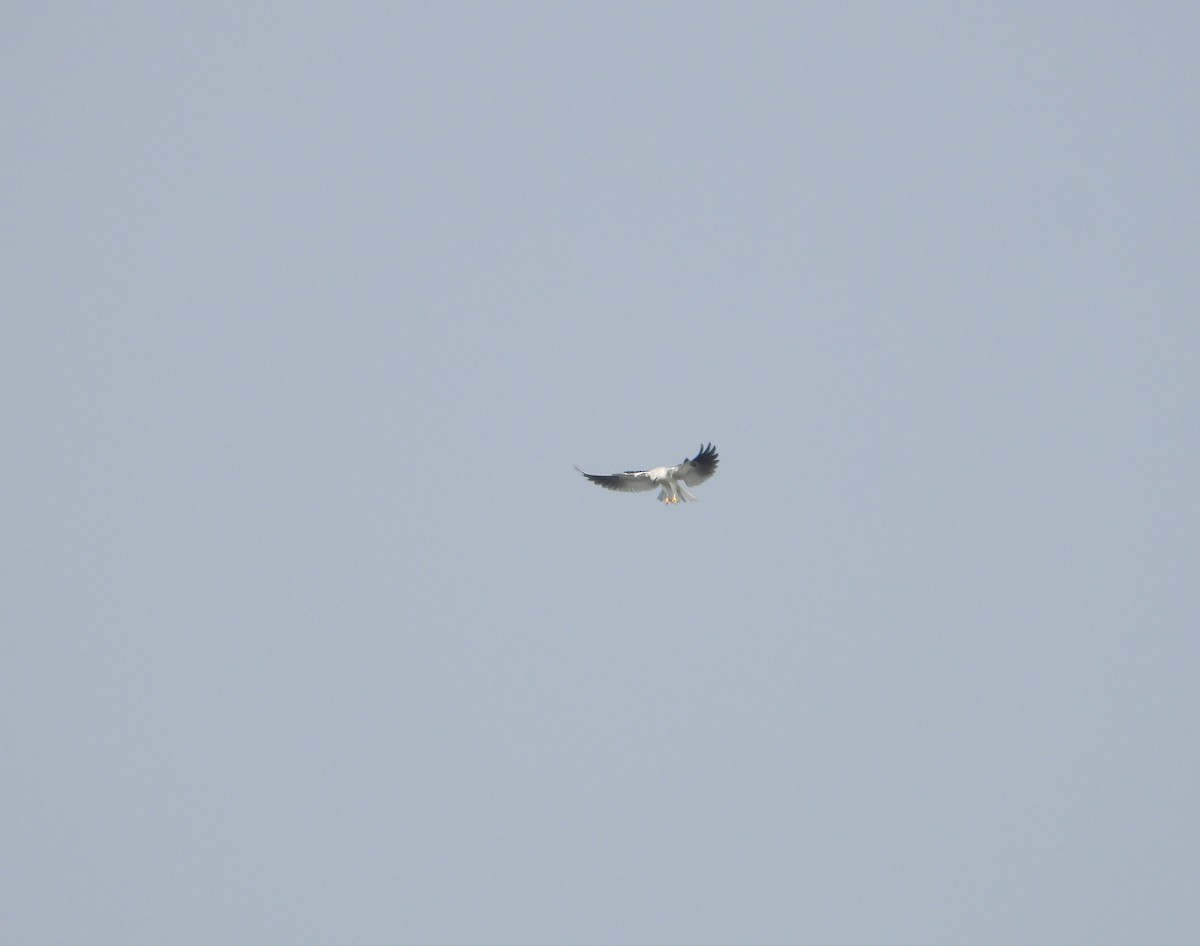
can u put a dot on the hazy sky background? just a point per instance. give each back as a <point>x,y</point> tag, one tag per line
<point>313,634</point>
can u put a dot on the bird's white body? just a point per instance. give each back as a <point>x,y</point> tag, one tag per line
<point>670,483</point>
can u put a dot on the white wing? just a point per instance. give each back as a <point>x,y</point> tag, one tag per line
<point>696,470</point>
<point>631,482</point>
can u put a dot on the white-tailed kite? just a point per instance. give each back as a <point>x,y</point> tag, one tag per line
<point>670,480</point>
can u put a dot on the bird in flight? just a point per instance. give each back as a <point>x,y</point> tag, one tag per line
<point>670,480</point>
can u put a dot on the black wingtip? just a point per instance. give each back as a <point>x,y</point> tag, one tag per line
<point>706,460</point>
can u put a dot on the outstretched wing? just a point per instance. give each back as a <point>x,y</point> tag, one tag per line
<point>631,482</point>
<point>700,467</point>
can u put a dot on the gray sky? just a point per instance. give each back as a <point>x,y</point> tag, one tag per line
<point>313,633</point>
